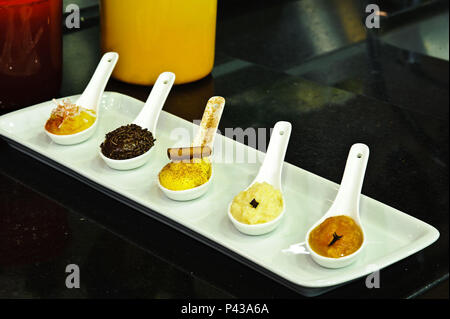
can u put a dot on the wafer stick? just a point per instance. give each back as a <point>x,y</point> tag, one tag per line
<point>188,153</point>
<point>210,122</point>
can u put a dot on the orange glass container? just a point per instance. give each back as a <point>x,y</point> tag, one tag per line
<point>155,36</point>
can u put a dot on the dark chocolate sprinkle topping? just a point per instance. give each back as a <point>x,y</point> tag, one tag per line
<point>127,141</point>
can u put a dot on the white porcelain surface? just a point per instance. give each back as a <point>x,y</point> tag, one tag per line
<point>269,172</point>
<point>391,234</point>
<point>196,192</point>
<point>90,99</point>
<point>147,118</point>
<point>346,203</point>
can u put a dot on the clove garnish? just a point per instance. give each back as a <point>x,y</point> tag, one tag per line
<point>254,203</point>
<point>336,237</point>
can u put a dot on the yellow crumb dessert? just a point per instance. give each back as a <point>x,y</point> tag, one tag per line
<point>178,176</point>
<point>259,204</point>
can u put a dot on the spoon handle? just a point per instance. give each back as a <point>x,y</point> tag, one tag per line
<point>270,170</point>
<point>148,117</point>
<point>93,92</point>
<point>347,199</point>
<point>210,122</point>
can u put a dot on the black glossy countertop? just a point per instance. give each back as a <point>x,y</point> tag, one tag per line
<point>309,62</point>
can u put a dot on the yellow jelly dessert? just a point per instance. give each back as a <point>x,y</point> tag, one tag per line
<point>68,118</point>
<point>184,175</point>
<point>259,204</point>
<point>336,237</point>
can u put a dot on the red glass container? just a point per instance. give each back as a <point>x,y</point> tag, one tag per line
<point>30,52</point>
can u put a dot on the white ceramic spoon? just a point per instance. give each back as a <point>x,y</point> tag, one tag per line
<point>204,137</point>
<point>90,99</point>
<point>346,203</point>
<point>147,118</point>
<point>269,172</point>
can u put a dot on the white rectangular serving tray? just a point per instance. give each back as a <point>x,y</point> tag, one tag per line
<point>391,234</point>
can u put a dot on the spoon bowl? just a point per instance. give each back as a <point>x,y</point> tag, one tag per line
<point>127,164</point>
<point>90,99</point>
<point>329,262</point>
<point>347,204</point>
<point>75,138</point>
<point>257,229</point>
<point>188,194</point>
<point>269,172</point>
<point>204,137</point>
<point>147,118</point>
